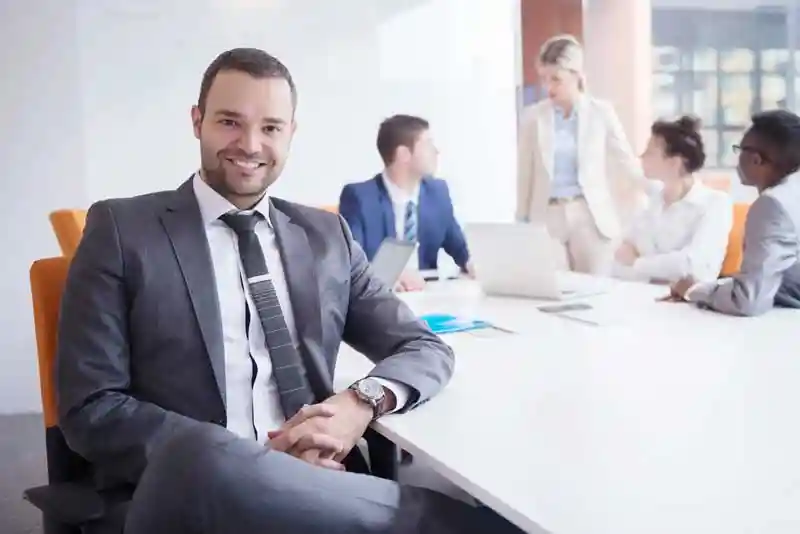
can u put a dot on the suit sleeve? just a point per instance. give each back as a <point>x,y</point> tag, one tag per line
<point>527,144</point>
<point>350,210</point>
<point>100,418</point>
<point>770,249</point>
<point>455,244</point>
<point>383,328</point>
<point>620,150</point>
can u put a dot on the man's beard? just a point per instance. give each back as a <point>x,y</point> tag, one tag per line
<point>224,182</point>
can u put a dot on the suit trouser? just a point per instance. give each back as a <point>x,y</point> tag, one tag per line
<point>206,480</point>
<point>580,246</point>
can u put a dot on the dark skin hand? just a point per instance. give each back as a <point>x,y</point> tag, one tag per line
<point>678,290</point>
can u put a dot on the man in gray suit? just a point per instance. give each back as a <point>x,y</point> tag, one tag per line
<point>769,158</point>
<point>198,341</point>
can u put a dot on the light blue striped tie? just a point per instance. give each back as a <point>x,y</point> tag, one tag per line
<point>410,226</point>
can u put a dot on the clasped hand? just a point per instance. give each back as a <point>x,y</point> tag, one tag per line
<point>324,434</point>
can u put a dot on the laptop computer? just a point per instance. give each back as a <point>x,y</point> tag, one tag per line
<point>519,260</point>
<point>391,259</point>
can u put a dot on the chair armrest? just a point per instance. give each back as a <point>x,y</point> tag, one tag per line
<point>73,504</point>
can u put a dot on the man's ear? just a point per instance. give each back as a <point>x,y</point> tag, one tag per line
<point>197,120</point>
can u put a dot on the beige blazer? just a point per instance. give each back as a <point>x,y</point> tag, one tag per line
<point>608,171</point>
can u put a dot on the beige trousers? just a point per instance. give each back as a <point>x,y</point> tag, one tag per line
<point>578,243</point>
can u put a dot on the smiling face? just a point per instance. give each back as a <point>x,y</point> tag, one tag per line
<point>245,133</point>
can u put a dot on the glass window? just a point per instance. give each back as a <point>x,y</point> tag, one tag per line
<point>775,60</point>
<point>711,144</point>
<point>704,98</point>
<point>666,58</point>
<point>736,99</point>
<point>704,60</point>
<point>773,91</point>
<point>737,60</point>
<point>665,105</point>
<point>728,158</point>
<point>723,65</point>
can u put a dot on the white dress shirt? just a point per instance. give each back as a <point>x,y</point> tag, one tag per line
<point>253,408</point>
<point>400,199</point>
<point>686,238</point>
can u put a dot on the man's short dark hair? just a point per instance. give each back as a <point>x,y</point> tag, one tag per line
<point>397,131</point>
<point>779,131</point>
<point>252,61</point>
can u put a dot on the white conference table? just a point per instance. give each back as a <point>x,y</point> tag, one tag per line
<point>661,419</point>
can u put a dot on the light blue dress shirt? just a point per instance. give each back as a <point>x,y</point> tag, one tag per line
<point>565,155</point>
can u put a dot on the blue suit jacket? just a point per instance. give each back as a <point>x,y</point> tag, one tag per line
<point>367,208</point>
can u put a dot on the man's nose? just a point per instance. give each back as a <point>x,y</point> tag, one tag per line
<point>250,142</point>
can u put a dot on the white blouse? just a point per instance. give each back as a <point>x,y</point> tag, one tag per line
<point>686,238</point>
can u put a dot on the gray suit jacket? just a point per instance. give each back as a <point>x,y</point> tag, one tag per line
<point>770,272</point>
<point>140,350</point>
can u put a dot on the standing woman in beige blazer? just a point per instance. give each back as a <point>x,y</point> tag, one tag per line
<point>577,172</point>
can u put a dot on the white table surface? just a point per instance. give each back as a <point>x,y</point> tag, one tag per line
<point>664,419</point>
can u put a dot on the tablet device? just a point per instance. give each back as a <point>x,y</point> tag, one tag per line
<point>391,259</point>
<point>563,308</point>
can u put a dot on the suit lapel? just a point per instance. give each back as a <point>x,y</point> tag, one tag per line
<point>184,226</point>
<point>546,130</point>
<point>299,266</point>
<point>426,213</point>
<point>584,129</point>
<point>386,209</point>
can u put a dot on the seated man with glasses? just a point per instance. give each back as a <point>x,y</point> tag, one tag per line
<point>769,159</point>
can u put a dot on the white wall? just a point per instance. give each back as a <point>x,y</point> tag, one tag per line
<point>95,103</point>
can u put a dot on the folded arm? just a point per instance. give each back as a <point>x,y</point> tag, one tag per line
<point>455,244</point>
<point>770,248</point>
<point>702,258</point>
<point>100,418</point>
<point>383,328</point>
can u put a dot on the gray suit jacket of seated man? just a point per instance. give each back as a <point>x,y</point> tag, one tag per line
<point>140,347</point>
<point>770,271</point>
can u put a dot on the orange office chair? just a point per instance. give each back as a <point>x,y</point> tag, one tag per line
<point>68,227</point>
<point>69,503</point>
<point>733,256</point>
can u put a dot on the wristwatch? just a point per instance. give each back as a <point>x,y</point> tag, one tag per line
<point>370,391</point>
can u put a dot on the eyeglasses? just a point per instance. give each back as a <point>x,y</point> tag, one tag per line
<point>737,149</point>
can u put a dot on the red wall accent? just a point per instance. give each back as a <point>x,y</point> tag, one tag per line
<point>542,19</point>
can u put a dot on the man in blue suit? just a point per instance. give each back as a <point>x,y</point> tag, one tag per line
<point>405,201</point>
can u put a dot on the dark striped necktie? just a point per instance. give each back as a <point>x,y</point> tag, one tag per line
<point>410,224</point>
<point>287,367</point>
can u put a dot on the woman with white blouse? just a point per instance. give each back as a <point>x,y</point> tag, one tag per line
<point>684,231</point>
<point>577,172</point>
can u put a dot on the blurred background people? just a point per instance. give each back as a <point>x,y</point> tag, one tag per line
<point>769,159</point>
<point>577,172</point>
<point>685,229</point>
<point>406,202</point>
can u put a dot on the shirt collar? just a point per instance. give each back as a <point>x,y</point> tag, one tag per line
<point>399,195</point>
<point>697,195</point>
<point>213,205</point>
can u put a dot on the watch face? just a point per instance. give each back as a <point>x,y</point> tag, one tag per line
<point>370,388</point>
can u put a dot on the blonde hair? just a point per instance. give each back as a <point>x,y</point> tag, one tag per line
<point>565,52</point>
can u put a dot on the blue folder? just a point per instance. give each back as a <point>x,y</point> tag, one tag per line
<point>441,323</point>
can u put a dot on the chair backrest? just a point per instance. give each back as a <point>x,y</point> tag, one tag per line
<point>68,227</point>
<point>733,256</point>
<point>48,277</point>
